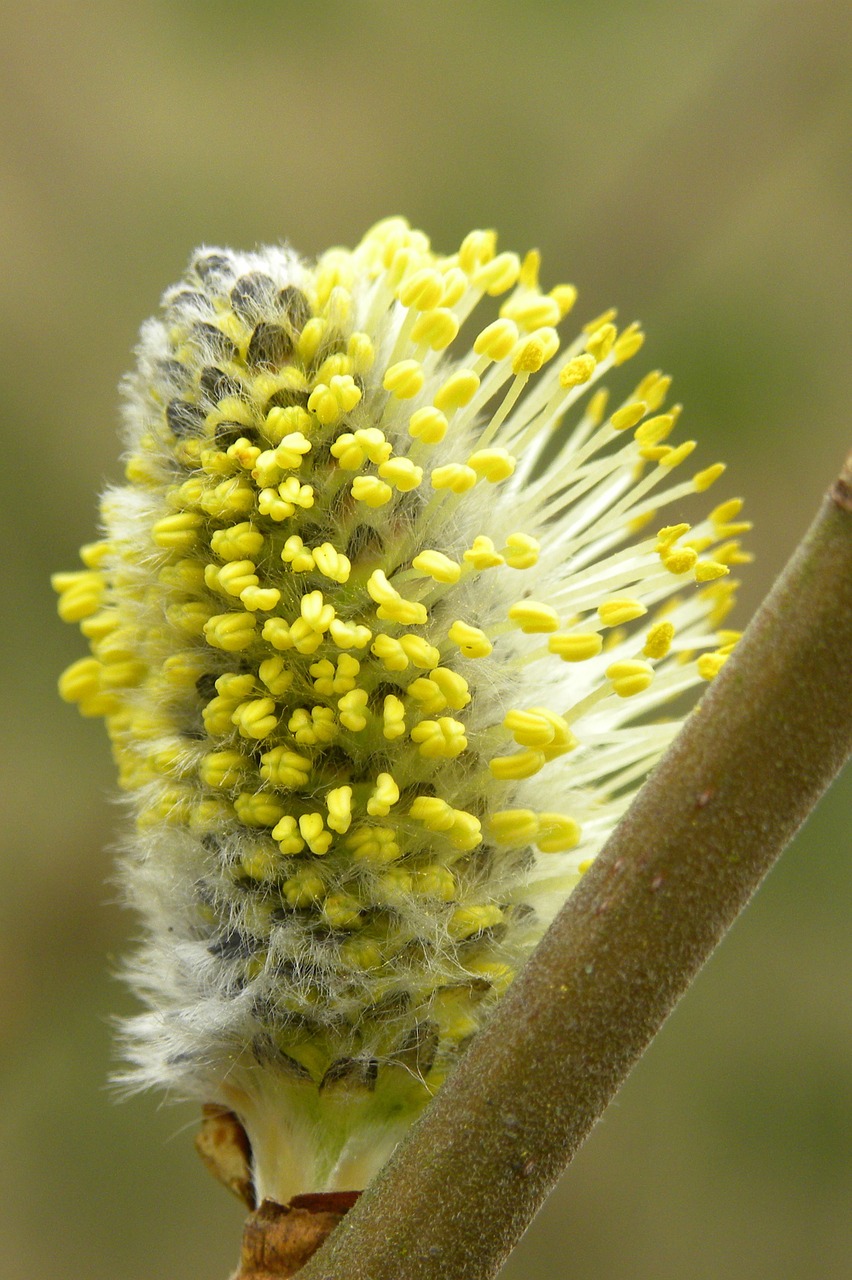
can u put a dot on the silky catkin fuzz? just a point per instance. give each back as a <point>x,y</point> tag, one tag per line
<point>384,626</point>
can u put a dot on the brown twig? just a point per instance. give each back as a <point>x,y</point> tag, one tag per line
<point>750,764</point>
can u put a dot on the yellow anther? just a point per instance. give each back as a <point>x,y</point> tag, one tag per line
<point>710,664</point>
<point>731,553</point>
<point>675,456</point>
<point>472,642</point>
<point>80,594</point>
<point>523,764</point>
<point>316,727</point>
<point>434,813</point>
<point>389,652</point>
<point>659,639</point>
<point>81,680</point>
<point>339,805</point>
<point>453,687</point>
<point>238,542</point>
<point>534,352</point>
<point>564,295</point>
<point>286,832</point>
<point>557,833</point>
<point>497,340</point>
<point>331,563</point>
<point>530,728</point>
<point>576,646</point>
<point>654,430</point>
<point>291,450</point>
<point>94,554</point>
<point>601,341</point>
<point>435,881</point>
<point>493,465</point>
<point>280,422</point>
<point>498,275</point>
<point>726,511</point>
<point>330,402</point>
<point>422,654</point>
<point>244,453</point>
<point>466,831</point>
<point>455,286</point>
<point>315,611</point>
<point>233,577</point>
<point>435,329</point>
<point>260,810</point>
<point>260,864</point>
<point>437,566</point>
<point>458,390</point>
<point>306,887</point>
<point>709,570</point>
<point>230,631</point>
<point>521,551</point>
<point>260,599</point>
<point>678,559</point>
<point>477,248</point>
<point>222,768</point>
<point>627,344</point>
<point>314,833</point>
<point>453,476</point>
<point>285,768</point>
<point>401,473</point>
<point>235,686</point>
<point>276,675</point>
<point>178,532</point>
<point>393,716</point>
<point>423,290</point>
<point>405,379</point>
<point>384,795</point>
<point>703,479</point>
<point>371,491</point>
<point>630,677</point>
<point>513,826</point>
<point>614,613</point>
<point>255,719</point>
<point>531,311</point>
<point>392,605</point>
<point>577,371</point>
<point>311,338</point>
<point>439,739</point>
<point>466,922</point>
<point>361,352</point>
<point>350,635</point>
<point>229,499</point>
<point>348,452</point>
<point>482,554</point>
<point>530,267</point>
<point>533,617</point>
<point>428,424</point>
<point>629,415</point>
<point>351,708</point>
<point>377,845</point>
<point>596,408</point>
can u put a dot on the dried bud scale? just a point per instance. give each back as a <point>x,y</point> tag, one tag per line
<point>382,658</point>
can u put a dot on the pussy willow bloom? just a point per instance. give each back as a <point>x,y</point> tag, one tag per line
<point>385,628</point>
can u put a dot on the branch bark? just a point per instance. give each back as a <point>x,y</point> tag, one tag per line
<point>772,731</point>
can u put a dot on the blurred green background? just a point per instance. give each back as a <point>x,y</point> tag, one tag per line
<point>688,162</point>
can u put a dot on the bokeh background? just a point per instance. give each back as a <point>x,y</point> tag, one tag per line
<point>687,161</point>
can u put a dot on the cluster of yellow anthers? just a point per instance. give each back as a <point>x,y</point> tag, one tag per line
<point>381,644</point>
